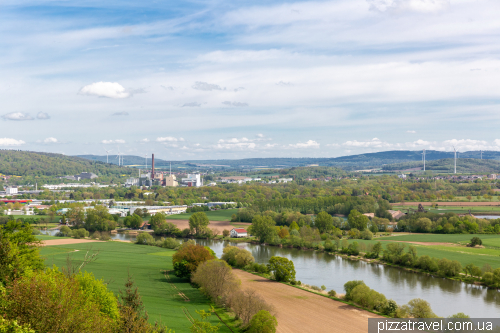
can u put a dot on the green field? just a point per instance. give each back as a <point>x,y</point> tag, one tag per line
<point>44,237</point>
<point>438,238</point>
<point>145,263</point>
<point>465,255</point>
<point>216,215</point>
<point>442,208</point>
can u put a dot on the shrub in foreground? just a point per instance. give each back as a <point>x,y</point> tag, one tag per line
<point>188,258</point>
<point>263,322</point>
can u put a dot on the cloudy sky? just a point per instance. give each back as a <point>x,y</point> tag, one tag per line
<point>212,79</point>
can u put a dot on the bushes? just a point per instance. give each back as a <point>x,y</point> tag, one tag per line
<point>416,308</point>
<point>218,282</point>
<point>51,302</point>
<point>237,257</point>
<point>170,243</point>
<point>366,234</point>
<point>216,279</point>
<point>144,238</point>
<point>349,286</point>
<point>332,293</point>
<point>368,298</point>
<point>263,322</point>
<point>188,258</point>
<point>282,268</point>
<point>255,267</point>
<point>449,268</point>
<point>247,303</point>
<point>476,241</point>
<point>80,233</point>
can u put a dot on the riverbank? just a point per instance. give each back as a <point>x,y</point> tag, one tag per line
<point>298,310</point>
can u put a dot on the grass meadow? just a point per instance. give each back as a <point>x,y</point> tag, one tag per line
<point>465,255</point>
<point>216,215</point>
<point>162,296</point>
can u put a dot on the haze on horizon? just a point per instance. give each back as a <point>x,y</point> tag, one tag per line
<point>219,79</point>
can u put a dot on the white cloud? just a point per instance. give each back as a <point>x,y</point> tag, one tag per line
<point>206,86</point>
<point>412,132</point>
<point>11,142</point>
<point>112,141</point>
<point>50,140</point>
<point>105,89</point>
<point>238,104</point>
<point>145,140</point>
<point>235,145</point>
<point>260,135</point>
<point>420,6</point>
<point>466,144</point>
<point>168,139</point>
<point>42,115</point>
<point>17,116</point>
<point>308,144</point>
<point>373,143</point>
<point>191,104</point>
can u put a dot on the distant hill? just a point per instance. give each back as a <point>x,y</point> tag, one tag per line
<point>36,164</point>
<point>352,162</point>
<point>464,165</point>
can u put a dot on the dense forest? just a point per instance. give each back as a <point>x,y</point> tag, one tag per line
<point>46,167</point>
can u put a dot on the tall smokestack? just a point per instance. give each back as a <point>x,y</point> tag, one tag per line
<point>153,168</point>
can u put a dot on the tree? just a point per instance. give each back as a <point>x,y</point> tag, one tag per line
<point>263,228</point>
<point>188,258</point>
<point>49,301</point>
<point>357,220</point>
<point>99,219</point>
<point>282,268</point>
<point>324,222</point>
<point>216,279</point>
<point>198,222</point>
<point>349,286</point>
<point>225,233</point>
<point>419,308</point>
<point>133,222</point>
<point>476,241</point>
<point>157,220</point>
<point>18,251</point>
<point>263,322</point>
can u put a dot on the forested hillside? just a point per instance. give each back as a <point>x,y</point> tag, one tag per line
<point>352,162</point>
<point>31,165</point>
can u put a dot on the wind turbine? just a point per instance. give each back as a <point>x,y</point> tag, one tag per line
<point>455,150</point>
<point>423,156</point>
<point>481,154</point>
<point>107,152</point>
<point>118,156</point>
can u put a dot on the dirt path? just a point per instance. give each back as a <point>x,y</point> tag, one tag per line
<point>217,225</point>
<point>66,241</point>
<point>301,311</point>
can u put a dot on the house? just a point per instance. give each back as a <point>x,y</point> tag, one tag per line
<point>238,233</point>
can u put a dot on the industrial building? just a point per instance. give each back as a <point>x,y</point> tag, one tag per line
<point>193,180</point>
<point>152,178</point>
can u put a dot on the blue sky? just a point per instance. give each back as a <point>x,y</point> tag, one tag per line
<point>236,79</point>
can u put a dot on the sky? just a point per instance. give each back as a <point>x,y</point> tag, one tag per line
<point>216,79</point>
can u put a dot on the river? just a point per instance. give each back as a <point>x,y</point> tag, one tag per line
<point>446,297</point>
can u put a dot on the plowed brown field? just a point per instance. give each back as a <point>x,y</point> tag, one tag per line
<point>66,241</point>
<point>301,311</point>
<point>217,225</point>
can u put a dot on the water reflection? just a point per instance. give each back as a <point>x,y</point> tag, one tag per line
<point>446,297</point>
